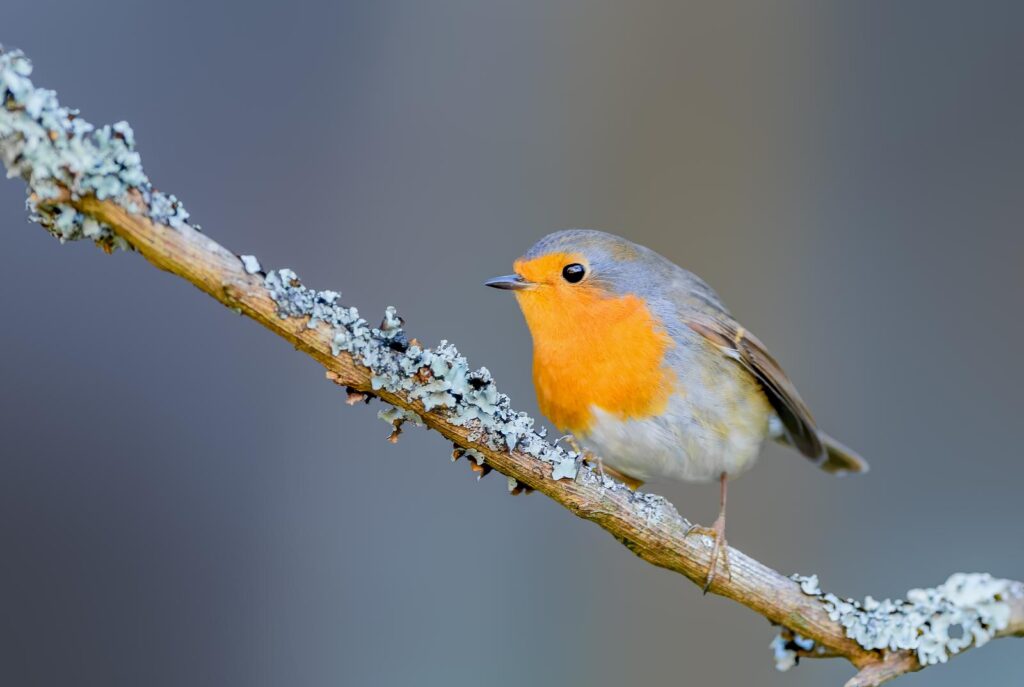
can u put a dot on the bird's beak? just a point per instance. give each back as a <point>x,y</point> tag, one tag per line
<point>510,282</point>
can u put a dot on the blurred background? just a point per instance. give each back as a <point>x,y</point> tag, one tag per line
<point>185,500</point>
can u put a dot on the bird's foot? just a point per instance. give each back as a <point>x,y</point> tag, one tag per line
<point>719,550</point>
<point>571,441</point>
<point>605,471</point>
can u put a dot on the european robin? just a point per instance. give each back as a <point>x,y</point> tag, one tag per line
<point>640,362</point>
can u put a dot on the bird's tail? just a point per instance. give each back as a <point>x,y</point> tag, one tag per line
<point>839,459</point>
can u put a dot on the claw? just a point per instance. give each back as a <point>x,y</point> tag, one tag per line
<point>604,471</point>
<point>720,550</point>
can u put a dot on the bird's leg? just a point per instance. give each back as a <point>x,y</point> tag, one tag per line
<point>603,470</point>
<point>600,463</point>
<point>573,444</point>
<point>589,457</point>
<point>717,533</point>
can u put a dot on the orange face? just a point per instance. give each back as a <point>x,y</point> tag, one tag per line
<point>591,349</point>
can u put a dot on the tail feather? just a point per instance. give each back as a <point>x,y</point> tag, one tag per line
<point>840,459</point>
<point>837,459</point>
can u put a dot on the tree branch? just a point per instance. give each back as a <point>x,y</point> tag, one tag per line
<point>88,183</point>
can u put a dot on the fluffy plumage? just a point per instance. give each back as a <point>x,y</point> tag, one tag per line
<point>645,366</point>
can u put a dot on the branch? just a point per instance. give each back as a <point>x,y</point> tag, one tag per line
<point>86,182</point>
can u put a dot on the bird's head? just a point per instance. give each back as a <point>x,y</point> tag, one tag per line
<point>571,265</point>
<point>570,278</point>
<point>585,296</point>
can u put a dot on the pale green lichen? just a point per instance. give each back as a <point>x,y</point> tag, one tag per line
<point>57,152</point>
<point>786,648</point>
<point>439,378</point>
<point>393,414</point>
<point>54,150</point>
<point>250,264</point>
<point>476,456</point>
<point>966,610</point>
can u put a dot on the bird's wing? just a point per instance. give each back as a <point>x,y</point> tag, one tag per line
<point>696,305</point>
<point>740,345</point>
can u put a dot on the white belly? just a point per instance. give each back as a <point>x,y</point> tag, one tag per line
<point>695,440</point>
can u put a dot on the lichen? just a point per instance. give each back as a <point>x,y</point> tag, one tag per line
<point>439,378</point>
<point>250,264</point>
<point>394,414</point>
<point>808,584</point>
<point>60,154</point>
<point>966,610</point>
<point>787,647</point>
<point>56,151</point>
<point>476,456</point>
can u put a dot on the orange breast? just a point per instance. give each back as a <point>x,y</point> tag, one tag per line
<point>591,349</point>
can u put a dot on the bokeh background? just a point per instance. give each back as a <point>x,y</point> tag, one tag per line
<point>185,501</point>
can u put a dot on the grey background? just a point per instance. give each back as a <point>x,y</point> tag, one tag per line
<point>185,501</point>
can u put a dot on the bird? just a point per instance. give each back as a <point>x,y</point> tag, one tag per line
<point>639,362</point>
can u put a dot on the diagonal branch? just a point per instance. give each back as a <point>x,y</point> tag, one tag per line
<point>88,183</point>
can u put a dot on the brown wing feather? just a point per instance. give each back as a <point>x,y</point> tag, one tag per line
<point>748,351</point>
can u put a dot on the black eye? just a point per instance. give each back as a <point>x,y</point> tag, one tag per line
<point>573,273</point>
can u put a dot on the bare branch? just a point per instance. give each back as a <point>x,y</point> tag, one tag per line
<point>88,183</point>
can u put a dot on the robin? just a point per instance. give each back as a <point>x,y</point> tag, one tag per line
<point>640,362</point>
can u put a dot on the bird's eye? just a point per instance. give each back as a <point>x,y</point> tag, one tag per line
<point>573,273</point>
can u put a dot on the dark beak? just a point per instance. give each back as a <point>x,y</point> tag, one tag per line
<point>510,282</point>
